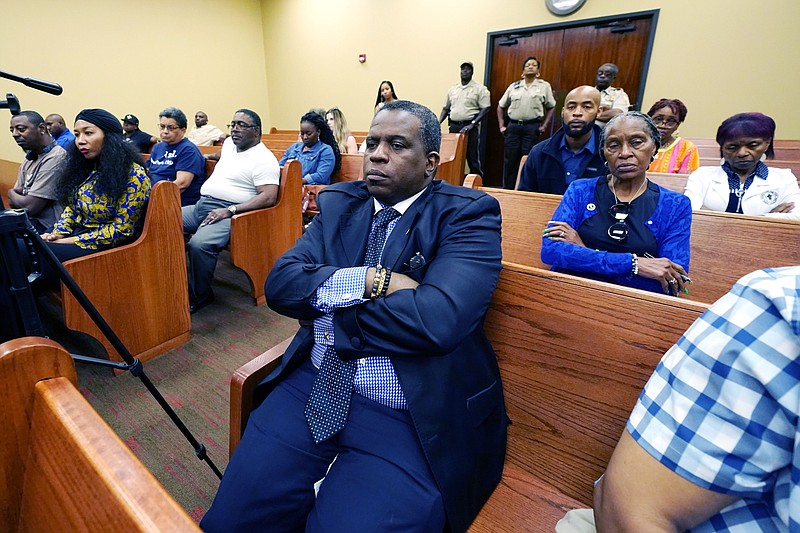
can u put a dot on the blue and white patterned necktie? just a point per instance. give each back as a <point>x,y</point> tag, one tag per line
<point>329,402</point>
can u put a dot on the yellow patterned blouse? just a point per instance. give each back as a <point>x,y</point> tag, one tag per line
<point>98,221</point>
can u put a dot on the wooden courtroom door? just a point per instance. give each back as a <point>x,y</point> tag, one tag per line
<point>570,54</point>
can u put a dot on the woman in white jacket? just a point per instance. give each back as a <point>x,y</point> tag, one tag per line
<point>743,183</point>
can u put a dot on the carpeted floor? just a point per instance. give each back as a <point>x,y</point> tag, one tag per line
<point>194,379</point>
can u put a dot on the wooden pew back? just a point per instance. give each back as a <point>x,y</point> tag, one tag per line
<point>8,177</point>
<point>574,355</point>
<point>724,246</point>
<point>260,237</point>
<point>453,153</point>
<point>140,288</point>
<point>62,467</point>
<point>673,182</point>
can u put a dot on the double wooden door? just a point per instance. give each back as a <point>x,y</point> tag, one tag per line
<point>569,54</point>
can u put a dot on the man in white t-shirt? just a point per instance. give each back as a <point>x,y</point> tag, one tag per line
<point>245,178</point>
<point>203,133</point>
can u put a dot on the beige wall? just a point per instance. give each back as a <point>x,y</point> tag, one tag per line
<point>281,57</point>
<point>134,57</point>
<point>719,57</point>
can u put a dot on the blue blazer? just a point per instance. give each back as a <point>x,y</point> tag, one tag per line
<point>433,334</point>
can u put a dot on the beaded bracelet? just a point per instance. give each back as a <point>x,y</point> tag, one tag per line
<point>634,265</point>
<point>375,282</point>
<point>387,276</point>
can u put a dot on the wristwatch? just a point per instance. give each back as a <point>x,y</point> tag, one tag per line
<point>232,209</point>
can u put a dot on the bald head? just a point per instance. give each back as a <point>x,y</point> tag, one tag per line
<point>581,107</point>
<point>55,124</point>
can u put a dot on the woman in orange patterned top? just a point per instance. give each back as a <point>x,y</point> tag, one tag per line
<point>676,155</point>
<point>104,189</point>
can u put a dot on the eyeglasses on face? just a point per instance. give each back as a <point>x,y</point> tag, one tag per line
<point>240,125</point>
<point>668,122</point>
<point>619,230</point>
<point>170,127</point>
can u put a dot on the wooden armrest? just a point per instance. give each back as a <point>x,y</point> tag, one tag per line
<point>80,474</point>
<point>473,181</point>
<point>244,382</point>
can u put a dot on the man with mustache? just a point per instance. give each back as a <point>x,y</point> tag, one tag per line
<point>245,178</point>
<point>572,152</point>
<point>39,174</point>
<point>390,391</point>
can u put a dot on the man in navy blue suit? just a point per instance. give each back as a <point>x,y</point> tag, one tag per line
<point>390,391</point>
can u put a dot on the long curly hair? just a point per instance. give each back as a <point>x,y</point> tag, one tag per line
<point>113,166</point>
<point>325,135</point>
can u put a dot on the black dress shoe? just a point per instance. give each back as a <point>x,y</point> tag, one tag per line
<point>196,306</point>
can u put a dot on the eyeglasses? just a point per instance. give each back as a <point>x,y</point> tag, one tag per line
<point>240,125</point>
<point>619,230</point>
<point>668,122</point>
<point>170,127</point>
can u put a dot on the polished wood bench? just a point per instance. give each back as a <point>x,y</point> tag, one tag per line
<point>453,157</point>
<point>62,467</point>
<point>140,289</point>
<point>574,355</point>
<point>8,178</point>
<point>724,246</point>
<point>260,237</point>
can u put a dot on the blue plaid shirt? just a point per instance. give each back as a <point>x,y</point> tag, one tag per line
<point>375,375</point>
<point>721,409</point>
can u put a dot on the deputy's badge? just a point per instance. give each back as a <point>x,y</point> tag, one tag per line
<point>769,197</point>
<point>590,207</point>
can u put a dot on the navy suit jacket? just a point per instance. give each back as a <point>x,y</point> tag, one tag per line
<point>433,334</point>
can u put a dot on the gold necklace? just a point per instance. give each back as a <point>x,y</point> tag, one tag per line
<point>633,197</point>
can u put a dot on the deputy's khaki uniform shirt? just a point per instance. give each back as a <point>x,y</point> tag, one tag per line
<point>614,98</point>
<point>527,103</point>
<point>466,101</point>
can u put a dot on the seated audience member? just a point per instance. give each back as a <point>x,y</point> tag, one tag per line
<point>175,158</point>
<point>203,133</point>
<point>386,94</point>
<point>744,183</point>
<point>142,141</point>
<point>245,178</point>
<point>713,443</point>
<point>676,155</point>
<point>614,100</point>
<point>317,152</point>
<point>59,131</point>
<point>40,172</point>
<point>395,380</point>
<point>338,125</point>
<point>622,228</point>
<point>573,152</point>
<point>104,190</point>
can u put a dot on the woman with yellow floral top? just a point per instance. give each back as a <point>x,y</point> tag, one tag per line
<point>104,189</point>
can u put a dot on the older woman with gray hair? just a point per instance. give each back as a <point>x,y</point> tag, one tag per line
<point>622,228</point>
<point>176,158</point>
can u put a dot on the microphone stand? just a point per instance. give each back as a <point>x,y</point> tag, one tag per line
<point>15,223</point>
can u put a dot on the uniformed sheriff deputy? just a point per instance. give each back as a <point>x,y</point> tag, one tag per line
<point>523,113</point>
<point>466,104</point>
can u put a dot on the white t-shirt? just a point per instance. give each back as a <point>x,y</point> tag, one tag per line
<point>237,174</point>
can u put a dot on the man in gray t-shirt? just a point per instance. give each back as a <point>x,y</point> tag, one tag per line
<point>39,173</point>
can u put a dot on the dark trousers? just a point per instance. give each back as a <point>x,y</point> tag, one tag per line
<point>473,149</point>
<point>518,141</point>
<point>380,480</point>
